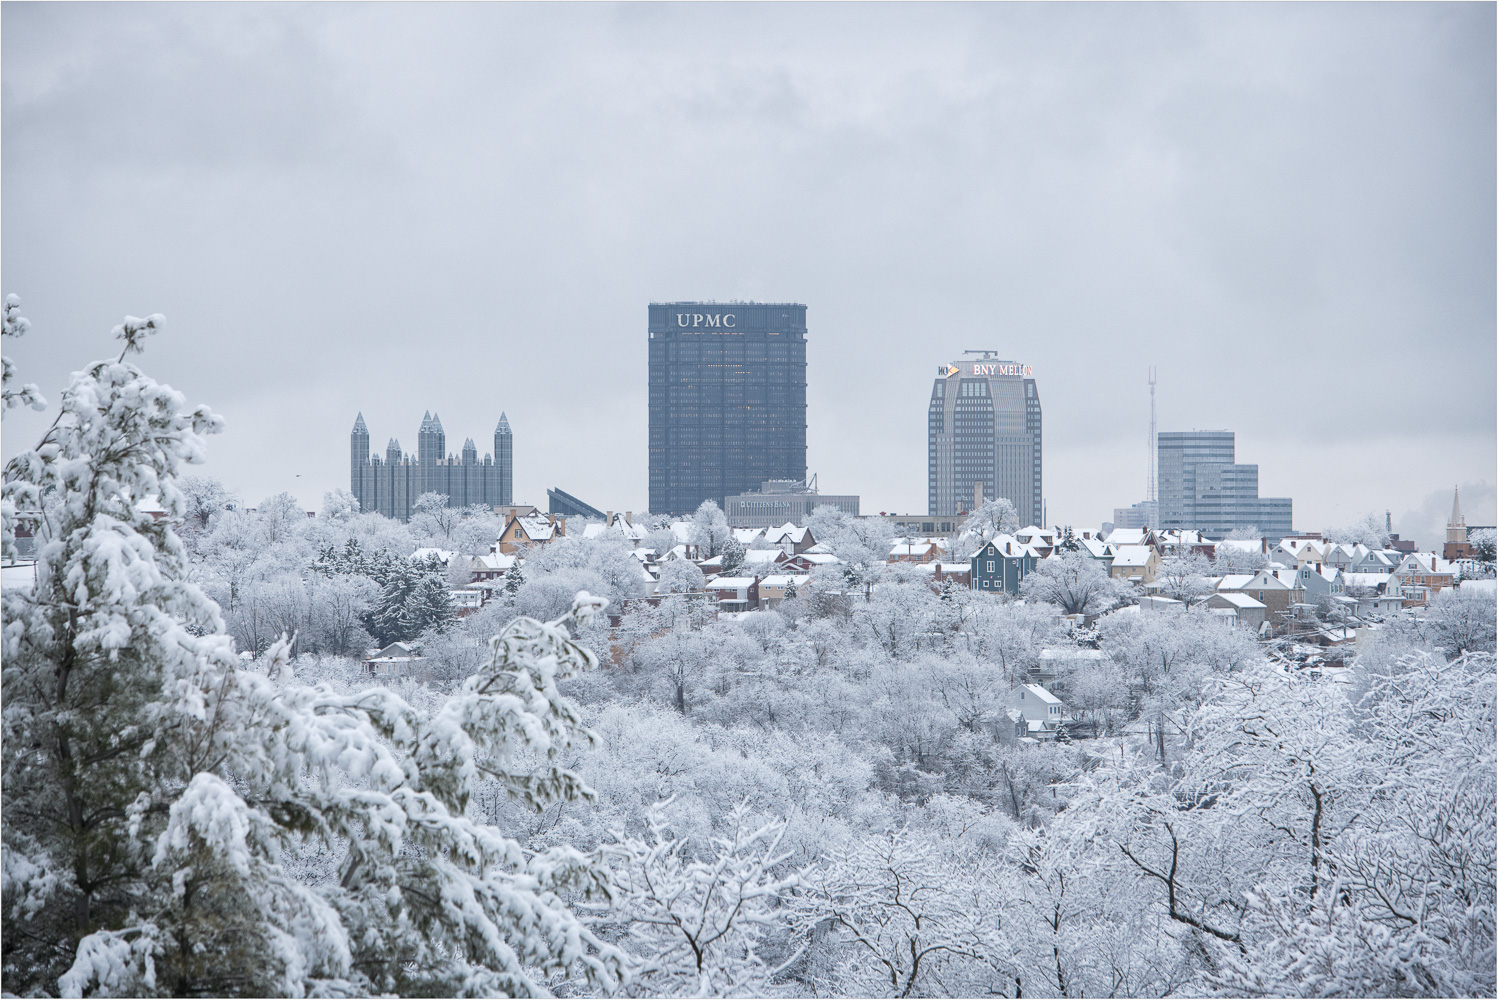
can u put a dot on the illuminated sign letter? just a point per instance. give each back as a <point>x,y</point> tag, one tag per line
<point>728,320</point>
<point>681,319</point>
<point>712,320</point>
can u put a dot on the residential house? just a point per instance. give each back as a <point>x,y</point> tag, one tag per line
<point>791,539</point>
<point>772,589</point>
<point>1137,564</point>
<point>916,550</point>
<point>1277,590</point>
<point>1000,565</point>
<point>1319,580</point>
<point>535,529</point>
<point>1244,609</point>
<point>1043,713</point>
<point>734,593</point>
<point>1422,575</point>
<point>395,660</point>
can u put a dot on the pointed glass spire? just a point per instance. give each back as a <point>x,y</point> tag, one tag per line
<point>504,424</point>
<point>359,427</point>
<point>436,422</point>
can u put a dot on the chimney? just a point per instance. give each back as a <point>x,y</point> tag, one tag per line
<point>608,518</point>
<point>628,515</point>
<point>1432,562</point>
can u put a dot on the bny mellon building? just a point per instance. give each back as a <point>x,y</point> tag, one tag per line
<point>727,400</point>
<point>983,429</point>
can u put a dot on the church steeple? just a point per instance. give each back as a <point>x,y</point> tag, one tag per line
<point>1456,528</point>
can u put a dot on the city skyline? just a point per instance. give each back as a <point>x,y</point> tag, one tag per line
<point>1180,202</point>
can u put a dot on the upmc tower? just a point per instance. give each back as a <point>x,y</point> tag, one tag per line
<point>983,428</point>
<point>727,400</point>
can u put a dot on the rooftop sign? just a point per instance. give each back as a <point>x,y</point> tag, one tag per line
<point>987,368</point>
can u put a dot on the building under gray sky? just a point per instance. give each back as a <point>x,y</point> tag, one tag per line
<point>446,205</point>
<point>727,400</point>
<point>983,433</point>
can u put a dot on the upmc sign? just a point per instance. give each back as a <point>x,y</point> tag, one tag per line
<point>1003,369</point>
<point>691,321</point>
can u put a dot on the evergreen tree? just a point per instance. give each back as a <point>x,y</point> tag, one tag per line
<point>162,785</point>
<point>514,579</point>
<point>389,621</point>
<point>733,554</point>
<point>430,608</point>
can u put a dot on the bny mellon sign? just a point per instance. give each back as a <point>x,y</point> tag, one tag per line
<point>986,368</point>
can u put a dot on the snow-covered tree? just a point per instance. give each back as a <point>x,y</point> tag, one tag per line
<point>433,519</point>
<point>710,531</point>
<point>680,576</point>
<point>697,919</point>
<point>16,325</point>
<point>1075,583</point>
<point>996,516</point>
<point>893,918</point>
<point>168,795</point>
<point>733,554</point>
<point>1485,548</point>
<point>339,505</point>
<point>1183,577</point>
<point>205,498</point>
<point>1228,558</point>
<point>1370,530</point>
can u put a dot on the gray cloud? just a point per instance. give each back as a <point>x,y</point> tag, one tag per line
<point>1287,209</point>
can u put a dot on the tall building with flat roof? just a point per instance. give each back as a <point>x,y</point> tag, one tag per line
<point>983,429</point>
<point>780,500</point>
<point>1202,487</point>
<point>727,400</point>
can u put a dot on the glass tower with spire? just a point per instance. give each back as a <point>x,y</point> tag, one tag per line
<point>391,485</point>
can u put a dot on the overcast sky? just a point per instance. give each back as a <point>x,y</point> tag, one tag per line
<point>1287,209</point>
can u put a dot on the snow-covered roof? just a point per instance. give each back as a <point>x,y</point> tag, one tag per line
<point>1128,536</point>
<point>1045,697</point>
<point>1366,579</point>
<point>784,579</point>
<point>1071,653</point>
<point>1096,548</point>
<point>1426,562</point>
<point>746,536</point>
<point>1239,600</point>
<point>430,553</point>
<point>1236,581</point>
<point>1132,555</point>
<point>731,583</point>
<point>762,557</point>
<point>818,558</point>
<point>787,532</point>
<point>494,562</point>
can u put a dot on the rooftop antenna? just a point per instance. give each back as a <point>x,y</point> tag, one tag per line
<point>1150,495</point>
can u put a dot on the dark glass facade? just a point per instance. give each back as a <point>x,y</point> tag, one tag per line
<point>727,400</point>
<point>983,429</point>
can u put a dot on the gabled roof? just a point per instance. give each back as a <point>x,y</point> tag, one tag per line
<point>1236,581</point>
<point>730,583</point>
<point>1128,536</point>
<point>1036,691</point>
<point>1238,600</point>
<point>1132,555</point>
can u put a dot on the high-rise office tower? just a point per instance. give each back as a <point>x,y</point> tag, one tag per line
<point>1202,487</point>
<point>983,429</point>
<point>727,400</point>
